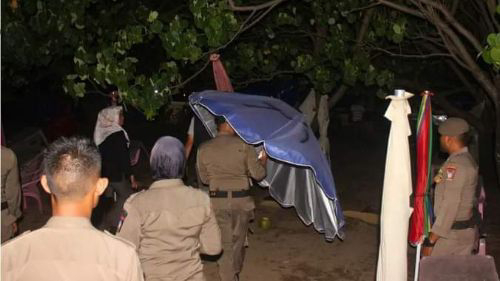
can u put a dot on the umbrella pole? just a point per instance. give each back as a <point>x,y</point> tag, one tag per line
<point>417,261</point>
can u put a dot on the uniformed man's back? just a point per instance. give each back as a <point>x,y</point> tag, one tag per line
<point>174,219</point>
<point>226,162</point>
<point>69,248</point>
<point>170,223</point>
<point>11,194</point>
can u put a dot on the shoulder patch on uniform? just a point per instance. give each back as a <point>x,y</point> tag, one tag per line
<point>439,177</point>
<point>450,172</point>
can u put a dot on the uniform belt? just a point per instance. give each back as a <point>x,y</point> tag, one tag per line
<point>460,225</point>
<point>225,194</point>
<point>5,205</point>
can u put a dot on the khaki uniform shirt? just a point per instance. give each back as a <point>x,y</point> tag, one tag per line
<point>69,248</point>
<point>454,198</point>
<point>171,224</point>
<point>11,192</point>
<point>226,163</point>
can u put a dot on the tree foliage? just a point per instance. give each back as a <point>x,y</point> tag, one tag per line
<point>149,50</point>
<point>491,53</point>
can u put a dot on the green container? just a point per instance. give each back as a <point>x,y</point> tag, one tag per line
<point>265,223</point>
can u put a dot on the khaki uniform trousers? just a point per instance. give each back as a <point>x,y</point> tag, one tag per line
<point>233,224</point>
<point>460,242</point>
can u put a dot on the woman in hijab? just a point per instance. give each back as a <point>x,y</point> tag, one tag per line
<point>170,223</point>
<point>113,143</point>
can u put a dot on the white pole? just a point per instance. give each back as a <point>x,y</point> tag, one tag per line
<point>417,261</point>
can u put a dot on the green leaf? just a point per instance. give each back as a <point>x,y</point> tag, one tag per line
<point>486,54</point>
<point>74,17</point>
<point>381,79</point>
<point>492,39</point>
<point>79,26</point>
<point>495,54</point>
<point>152,16</point>
<point>498,9</point>
<point>397,28</point>
<point>156,26</point>
<point>397,38</point>
<point>79,89</point>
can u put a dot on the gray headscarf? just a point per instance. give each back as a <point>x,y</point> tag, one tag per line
<point>167,159</point>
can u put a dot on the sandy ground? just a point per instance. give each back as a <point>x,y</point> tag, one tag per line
<point>291,251</point>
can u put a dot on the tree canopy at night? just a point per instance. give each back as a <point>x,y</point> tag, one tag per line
<point>150,50</point>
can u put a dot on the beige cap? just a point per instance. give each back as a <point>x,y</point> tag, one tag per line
<point>453,127</point>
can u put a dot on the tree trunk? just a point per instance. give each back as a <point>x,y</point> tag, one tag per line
<point>359,39</point>
<point>337,96</point>
<point>497,138</point>
<point>496,104</point>
<point>486,142</point>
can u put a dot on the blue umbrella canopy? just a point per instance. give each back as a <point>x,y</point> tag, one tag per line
<point>298,173</point>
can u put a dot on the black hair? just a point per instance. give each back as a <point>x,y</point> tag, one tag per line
<point>71,166</point>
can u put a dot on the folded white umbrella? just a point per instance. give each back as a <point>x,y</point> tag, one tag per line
<point>396,211</point>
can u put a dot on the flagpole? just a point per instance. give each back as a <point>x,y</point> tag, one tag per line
<point>417,262</point>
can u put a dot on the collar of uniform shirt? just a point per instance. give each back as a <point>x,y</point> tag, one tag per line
<point>463,150</point>
<point>68,222</point>
<point>167,183</point>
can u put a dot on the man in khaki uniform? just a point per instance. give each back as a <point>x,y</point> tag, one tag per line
<point>454,231</point>
<point>225,163</point>
<point>68,247</point>
<point>11,194</point>
<point>170,223</point>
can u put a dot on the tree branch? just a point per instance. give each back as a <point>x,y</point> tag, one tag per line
<point>452,49</point>
<point>452,110</point>
<point>401,8</point>
<point>490,20</point>
<point>240,30</point>
<point>340,92</point>
<point>235,8</point>
<point>492,5</point>
<point>364,7</point>
<point>454,6</point>
<point>180,85</point>
<point>260,16</point>
<point>455,46</point>
<point>451,19</point>
<point>468,60</point>
<point>472,90</point>
<point>267,78</point>
<point>416,56</point>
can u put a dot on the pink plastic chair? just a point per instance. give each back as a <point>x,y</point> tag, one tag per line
<point>30,177</point>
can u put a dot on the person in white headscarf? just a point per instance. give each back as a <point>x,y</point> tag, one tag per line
<point>113,142</point>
